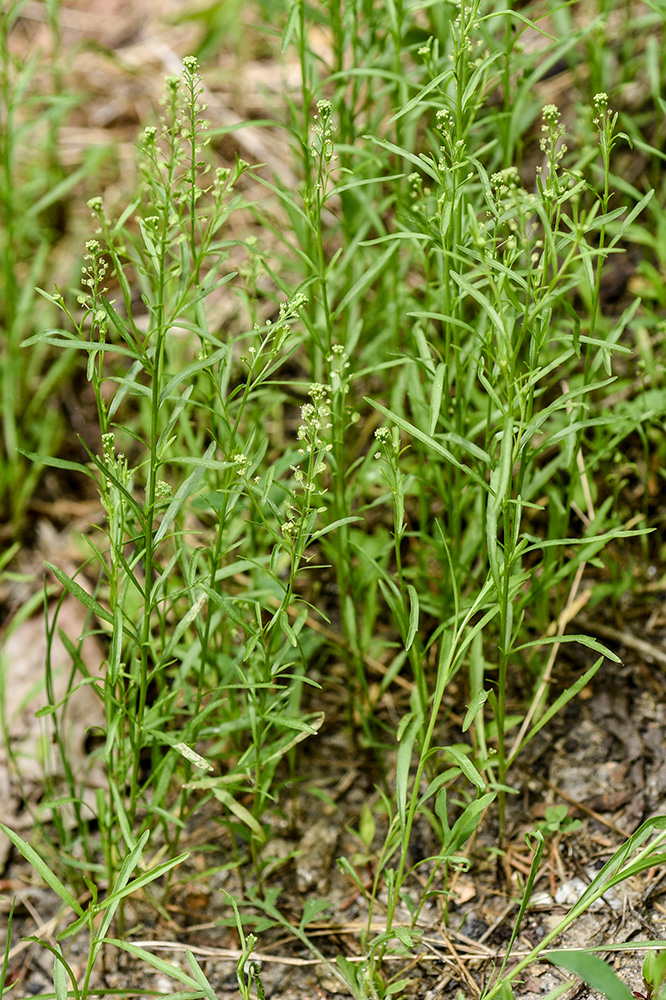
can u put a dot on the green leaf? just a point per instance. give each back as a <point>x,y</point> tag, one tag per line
<point>436,397</point>
<point>521,17</point>
<point>485,304</point>
<point>475,706</point>
<point>290,26</point>
<point>59,977</point>
<point>558,705</point>
<point>466,766</point>
<point>157,963</point>
<point>446,75</point>
<point>42,869</point>
<point>346,868</point>
<point>413,615</point>
<point>62,338</point>
<point>424,162</point>
<point>77,591</point>
<point>181,628</point>
<point>526,894</point>
<point>405,751</point>
<point>286,627</point>
<point>654,969</point>
<point>584,640</point>
<point>238,810</point>
<point>367,826</point>
<point>192,369</point>
<point>56,463</point>
<point>467,822</point>
<point>397,986</point>
<point>593,971</point>
<point>194,758</point>
<point>198,974</point>
<point>366,279</point>
<point>404,936</point>
<point>312,909</point>
<point>332,527</point>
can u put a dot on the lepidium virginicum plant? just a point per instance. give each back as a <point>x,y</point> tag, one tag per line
<point>193,574</point>
<point>494,400</point>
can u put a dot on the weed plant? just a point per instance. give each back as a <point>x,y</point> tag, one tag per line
<point>418,398</point>
<point>34,187</point>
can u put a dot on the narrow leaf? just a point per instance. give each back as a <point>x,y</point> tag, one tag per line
<point>466,766</point>
<point>594,971</point>
<point>42,869</point>
<point>413,615</point>
<point>77,591</point>
<point>584,640</point>
<point>436,397</point>
<point>475,706</point>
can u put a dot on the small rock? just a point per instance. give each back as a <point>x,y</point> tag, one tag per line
<point>316,854</point>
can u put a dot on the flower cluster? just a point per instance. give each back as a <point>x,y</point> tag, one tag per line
<point>452,149</point>
<point>192,127</point>
<point>415,186</point>
<point>116,464</point>
<point>505,181</point>
<point>389,453</point>
<point>273,338</point>
<point>605,121</point>
<point>314,419</point>
<point>93,274</point>
<point>113,498</point>
<point>551,144</point>
<point>339,363</point>
<point>389,443</point>
<point>513,212</point>
<point>323,128</point>
<point>600,105</point>
<point>313,447</point>
<point>241,463</point>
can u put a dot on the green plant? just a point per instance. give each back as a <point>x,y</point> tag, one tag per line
<point>412,429</point>
<point>174,635</point>
<point>638,854</point>
<point>558,820</point>
<point>599,975</point>
<point>96,919</point>
<point>654,975</point>
<point>34,187</point>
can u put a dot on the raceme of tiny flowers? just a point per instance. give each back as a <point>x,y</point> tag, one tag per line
<point>514,208</point>
<point>93,275</point>
<point>323,128</point>
<point>113,490</point>
<point>339,363</point>
<point>192,89</point>
<point>390,445</point>
<point>241,463</point>
<point>275,333</point>
<point>314,422</point>
<point>117,464</point>
<point>551,144</point>
<point>389,455</point>
<point>314,417</point>
<point>601,109</point>
<point>605,121</point>
<point>453,150</point>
